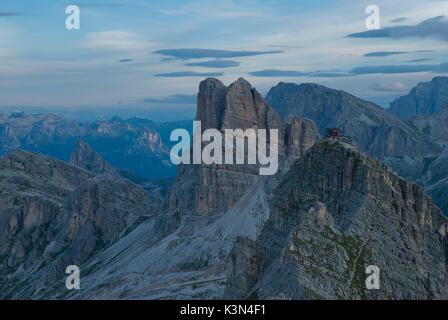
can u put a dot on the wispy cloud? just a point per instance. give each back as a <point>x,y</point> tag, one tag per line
<point>189,74</point>
<point>126,60</point>
<point>215,64</point>
<point>328,74</point>
<point>9,14</point>
<point>294,73</point>
<point>432,28</point>
<point>390,86</point>
<point>391,53</point>
<point>391,69</point>
<point>398,20</point>
<point>115,41</point>
<point>195,53</point>
<point>215,9</point>
<point>277,73</point>
<point>383,53</point>
<point>176,98</point>
<point>363,70</point>
<point>99,5</point>
<point>419,60</point>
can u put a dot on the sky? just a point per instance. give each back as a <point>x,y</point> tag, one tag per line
<point>151,55</point>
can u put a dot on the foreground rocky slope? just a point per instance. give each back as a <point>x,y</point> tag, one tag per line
<point>53,214</point>
<point>337,212</point>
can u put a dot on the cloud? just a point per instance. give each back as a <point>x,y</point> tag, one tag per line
<point>294,73</point>
<point>393,69</point>
<point>215,9</point>
<point>432,28</point>
<point>115,41</point>
<point>387,86</point>
<point>99,5</point>
<point>328,74</point>
<point>397,20</point>
<point>126,60</point>
<point>195,53</point>
<point>277,73</point>
<point>383,53</point>
<point>9,14</point>
<point>390,53</point>
<point>177,98</point>
<point>215,64</point>
<point>189,74</point>
<point>363,70</point>
<point>419,60</point>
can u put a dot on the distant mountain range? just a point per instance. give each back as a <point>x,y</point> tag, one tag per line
<point>139,145</point>
<point>373,129</point>
<point>222,231</point>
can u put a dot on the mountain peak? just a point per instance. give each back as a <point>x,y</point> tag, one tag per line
<point>85,157</point>
<point>241,82</point>
<point>211,83</point>
<point>425,98</point>
<point>210,189</point>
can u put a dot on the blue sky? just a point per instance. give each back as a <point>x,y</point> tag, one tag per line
<point>153,54</point>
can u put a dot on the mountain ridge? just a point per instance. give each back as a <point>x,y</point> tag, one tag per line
<point>372,128</point>
<point>307,232</point>
<point>424,99</point>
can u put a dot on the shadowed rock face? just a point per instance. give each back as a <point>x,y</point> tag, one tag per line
<point>425,98</point>
<point>33,190</point>
<point>85,157</point>
<point>205,189</point>
<point>372,128</point>
<point>54,214</point>
<point>335,213</point>
<point>433,176</point>
<point>435,124</point>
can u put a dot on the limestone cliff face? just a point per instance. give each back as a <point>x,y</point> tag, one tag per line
<point>433,175</point>
<point>238,106</point>
<point>205,189</point>
<point>435,124</point>
<point>426,98</point>
<point>53,214</point>
<point>335,213</point>
<point>372,128</point>
<point>33,191</point>
<point>85,157</point>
